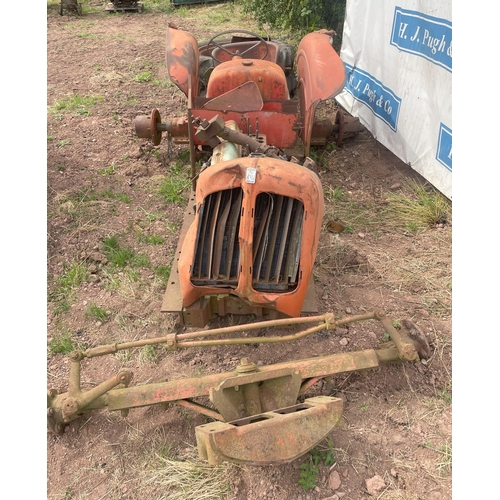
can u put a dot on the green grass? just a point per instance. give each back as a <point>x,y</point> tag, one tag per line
<point>107,171</point>
<point>74,274</point>
<point>125,198</point>
<point>61,343</point>
<point>151,239</point>
<point>163,272</point>
<point>151,216</point>
<point>414,208</point>
<point>445,396</point>
<point>423,207</point>
<point>148,354</point>
<point>97,313</point>
<point>75,103</point>
<point>334,194</point>
<point>176,180</point>
<point>88,194</point>
<point>122,256</point>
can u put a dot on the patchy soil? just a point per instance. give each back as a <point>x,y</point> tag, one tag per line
<point>395,441</point>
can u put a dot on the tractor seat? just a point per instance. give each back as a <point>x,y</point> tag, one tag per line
<point>258,52</point>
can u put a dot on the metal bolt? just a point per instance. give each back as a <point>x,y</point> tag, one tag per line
<point>246,366</point>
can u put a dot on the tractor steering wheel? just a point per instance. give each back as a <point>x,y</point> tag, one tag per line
<point>241,54</point>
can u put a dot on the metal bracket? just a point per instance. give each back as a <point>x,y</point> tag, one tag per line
<point>257,392</point>
<point>273,437</point>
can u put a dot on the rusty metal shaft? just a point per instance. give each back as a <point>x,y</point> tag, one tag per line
<point>174,341</point>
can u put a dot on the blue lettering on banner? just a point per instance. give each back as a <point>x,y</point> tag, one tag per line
<point>443,153</point>
<point>380,100</point>
<point>423,35</point>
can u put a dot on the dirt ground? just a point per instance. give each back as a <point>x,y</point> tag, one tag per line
<point>103,181</point>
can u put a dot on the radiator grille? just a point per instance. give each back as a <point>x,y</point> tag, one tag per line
<point>277,240</point>
<point>277,236</point>
<point>217,254</point>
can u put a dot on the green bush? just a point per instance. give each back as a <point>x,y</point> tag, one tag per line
<point>299,16</point>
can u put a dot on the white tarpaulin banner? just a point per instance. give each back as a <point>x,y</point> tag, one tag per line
<point>398,62</point>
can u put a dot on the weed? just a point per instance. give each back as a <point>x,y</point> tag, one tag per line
<point>445,396</point>
<point>386,337</point>
<point>395,324</point>
<point>76,103</point>
<point>143,77</point>
<point>61,343</point>
<point>107,171</point>
<point>320,455</point>
<point>148,354</point>
<point>184,156</point>
<point>444,462</point>
<point>319,159</point>
<point>60,168</point>
<point>166,84</point>
<point>336,194</point>
<point>50,138</point>
<point>63,143</point>
<point>151,217</point>
<point>151,239</point>
<point>163,272</point>
<point>124,356</point>
<point>73,275</point>
<point>308,475</point>
<point>170,188</point>
<point>444,465</point>
<point>115,196</point>
<point>83,195</point>
<point>131,100</point>
<point>121,256</point>
<point>86,35</point>
<point>96,312</point>
<point>172,227</point>
<point>362,406</point>
<point>412,226</point>
<point>427,444</point>
<point>198,371</point>
<point>423,207</point>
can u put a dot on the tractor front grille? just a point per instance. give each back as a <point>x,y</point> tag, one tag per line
<point>277,236</point>
<point>218,252</point>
